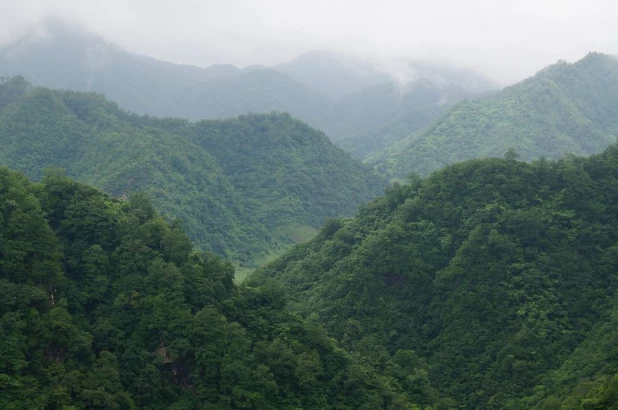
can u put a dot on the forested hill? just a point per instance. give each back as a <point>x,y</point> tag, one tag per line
<point>241,187</point>
<point>346,97</point>
<point>105,305</point>
<point>565,108</point>
<point>500,274</point>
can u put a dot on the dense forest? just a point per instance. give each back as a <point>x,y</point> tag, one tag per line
<point>485,279</point>
<point>498,274</point>
<point>105,305</point>
<point>242,187</point>
<point>348,98</point>
<point>565,108</point>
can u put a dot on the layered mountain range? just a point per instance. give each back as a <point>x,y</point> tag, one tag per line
<point>486,283</point>
<point>566,108</point>
<point>367,103</point>
<point>242,187</point>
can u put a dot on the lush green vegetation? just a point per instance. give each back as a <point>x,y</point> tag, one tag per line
<point>347,98</point>
<point>238,185</point>
<point>490,284</point>
<point>105,305</point>
<point>565,108</point>
<point>500,275</point>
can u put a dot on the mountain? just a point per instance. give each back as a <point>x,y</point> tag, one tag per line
<point>500,276</point>
<point>379,116</point>
<point>565,108</point>
<point>242,187</point>
<point>332,92</point>
<point>339,75</point>
<point>379,103</point>
<point>333,74</point>
<point>382,102</point>
<point>78,60</point>
<point>58,55</point>
<point>254,90</point>
<point>104,304</point>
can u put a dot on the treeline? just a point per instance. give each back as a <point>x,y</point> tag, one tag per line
<point>500,276</point>
<point>242,187</point>
<point>104,304</point>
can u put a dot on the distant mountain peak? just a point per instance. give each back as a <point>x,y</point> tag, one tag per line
<point>66,40</point>
<point>339,74</point>
<point>332,73</point>
<point>59,31</point>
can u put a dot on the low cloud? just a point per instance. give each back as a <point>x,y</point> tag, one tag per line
<point>507,40</point>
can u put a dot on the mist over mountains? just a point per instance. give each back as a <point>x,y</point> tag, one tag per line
<point>564,109</point>
<point>242,187</point>
<point>226,254</point>
<point>331,91</point>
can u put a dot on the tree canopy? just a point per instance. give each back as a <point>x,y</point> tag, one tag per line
<point>500,275</point>
<point>104,304</point>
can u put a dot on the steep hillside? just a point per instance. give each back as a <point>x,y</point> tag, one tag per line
<point>379,116</point>
<point>566,108</point>
<point>237,185</point>
<point>500,274</point>
<point>103,304</point>
<point>291,172</point>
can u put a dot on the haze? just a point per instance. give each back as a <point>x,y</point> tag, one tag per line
<point>506,40</point>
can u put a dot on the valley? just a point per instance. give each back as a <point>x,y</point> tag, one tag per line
<point>333,231</point>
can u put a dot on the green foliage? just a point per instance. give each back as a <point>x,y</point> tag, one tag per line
<point>233,184</point>
<point>565,108</point>
<point>360,108</point>
<point>496,278</point>
<point>291,173</point>
<point>104,304</point>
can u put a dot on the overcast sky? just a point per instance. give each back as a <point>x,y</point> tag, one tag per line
<point>508,40</point>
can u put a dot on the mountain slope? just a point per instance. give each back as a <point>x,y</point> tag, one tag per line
<point>253,90</point>
<point>81,61</point>
<point>103,304</point>
<point>566,108</point>
<point>186,167</point>
<point>348,98</point>
<point>312,181</point>
<point>499,273</point>
<point>379,116</point>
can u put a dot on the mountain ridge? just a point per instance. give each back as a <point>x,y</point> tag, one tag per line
<point>174,161</point>
<point>565,108</point>
<point>85,62</point>
<point>500,274</point>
